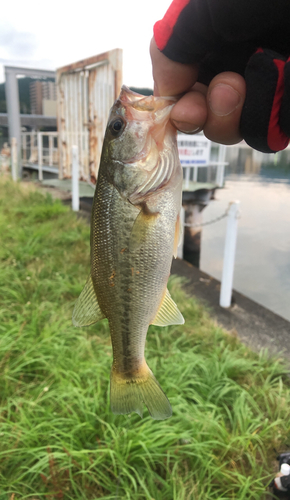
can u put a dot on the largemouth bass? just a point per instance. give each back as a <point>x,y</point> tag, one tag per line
<point>134,234</point>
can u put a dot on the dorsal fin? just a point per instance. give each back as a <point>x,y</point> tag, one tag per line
<point>87,310</point>
<point>168,313</point>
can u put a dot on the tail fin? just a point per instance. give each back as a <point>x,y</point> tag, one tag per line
<point>129,394</point>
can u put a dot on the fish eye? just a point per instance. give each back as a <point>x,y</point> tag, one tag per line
<point>117,126</point>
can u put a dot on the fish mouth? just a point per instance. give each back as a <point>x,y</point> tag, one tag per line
<point>154,112</point>
<point>144,103</point>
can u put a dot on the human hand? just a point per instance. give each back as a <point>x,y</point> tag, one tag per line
<point>216,109</point>
<point>240,51</point>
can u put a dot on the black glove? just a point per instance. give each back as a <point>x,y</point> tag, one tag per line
<point>224,35</point>
<point>265,120</point>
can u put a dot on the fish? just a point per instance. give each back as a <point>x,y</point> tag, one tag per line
<point>135,230</point>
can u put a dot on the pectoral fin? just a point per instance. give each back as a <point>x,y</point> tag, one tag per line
<point>142,226</point>
<point>168,313</point>
<point>87,310</point>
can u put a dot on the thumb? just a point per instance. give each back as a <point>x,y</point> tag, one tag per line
<point>170,77</point>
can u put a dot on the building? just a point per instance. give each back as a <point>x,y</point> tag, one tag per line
<point>43,98</point>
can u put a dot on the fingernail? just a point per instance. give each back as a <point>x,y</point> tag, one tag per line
<point>185,127</point>
<point>223,99</point>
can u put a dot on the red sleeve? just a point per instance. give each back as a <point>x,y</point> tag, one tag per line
<point>185,32</point>
<point>163,29</point>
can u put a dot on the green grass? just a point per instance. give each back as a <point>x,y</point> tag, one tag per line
<point>58,437</point>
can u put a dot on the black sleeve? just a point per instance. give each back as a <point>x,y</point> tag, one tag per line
<point>249,37</point>
<point>222,34</point>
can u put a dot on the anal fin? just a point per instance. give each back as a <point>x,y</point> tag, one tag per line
<point>168,313</point>
<point>87,310</point>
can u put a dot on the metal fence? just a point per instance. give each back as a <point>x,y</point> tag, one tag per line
<point>39,150</point>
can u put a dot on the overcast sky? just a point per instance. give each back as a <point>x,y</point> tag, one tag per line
<point>51,34</point>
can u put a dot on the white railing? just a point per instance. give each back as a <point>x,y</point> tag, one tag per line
<point>39,150</point>
<point>191,173</point>
<point>197,152</point>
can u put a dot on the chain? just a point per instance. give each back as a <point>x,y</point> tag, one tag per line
<point>220,217</point>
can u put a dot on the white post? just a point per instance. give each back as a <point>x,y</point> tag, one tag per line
<point>14,158</point>
<point>50,150</point>
<point>24,147</point>
<point>229,255</point>
<point>195,172</point>
<point>220,172</point>
<point>221,165</point>
<point>31,146</point>
<point>222,153</point>
<point>75,179</point>
<point>39,146</point>
<point>181,242</point>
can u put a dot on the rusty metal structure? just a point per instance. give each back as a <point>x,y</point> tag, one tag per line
<point>86,90</point>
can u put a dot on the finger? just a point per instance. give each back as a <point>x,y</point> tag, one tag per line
<point>170,77</point>
<point>225,99</point>
<point>190,113</point>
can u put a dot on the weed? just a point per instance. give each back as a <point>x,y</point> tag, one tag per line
<point>58,437</point>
